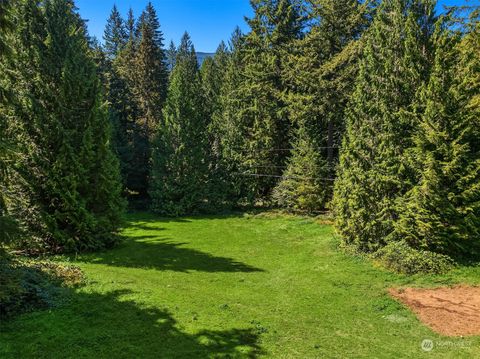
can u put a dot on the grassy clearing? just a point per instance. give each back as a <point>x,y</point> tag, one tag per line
<point>237,286</point>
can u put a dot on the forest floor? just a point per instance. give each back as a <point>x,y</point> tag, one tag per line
<point>239,286</point>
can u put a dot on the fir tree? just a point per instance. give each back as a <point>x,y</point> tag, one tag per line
<point>59,120</point>
<point>441,212</point>
<point>149,90</point>
<point>374,171</point>
<point>303,183</point>
<point>320,75</point>
<point>263,118</point>
<point>8,226</point>
<point>123,109</point>
<point>227,123</point>
<point>171,55</point>
<point>180,160</point>
<point>130,25</point>
<point>213,73</point>
<point>115,35</point>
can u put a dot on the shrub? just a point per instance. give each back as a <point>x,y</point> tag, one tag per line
<point>401,258</point>
<point>28,285</point>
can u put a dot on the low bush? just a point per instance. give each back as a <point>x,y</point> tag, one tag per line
<point>401,258</point>
<point>28,285</point>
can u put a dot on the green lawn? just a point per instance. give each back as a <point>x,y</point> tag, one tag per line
<point>232,287</point>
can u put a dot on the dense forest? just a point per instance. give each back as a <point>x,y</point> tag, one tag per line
<point>368,110</point>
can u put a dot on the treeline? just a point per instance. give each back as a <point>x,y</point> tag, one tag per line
<point>367,109</point>
<point>60,184</point>
<point>260,123</point>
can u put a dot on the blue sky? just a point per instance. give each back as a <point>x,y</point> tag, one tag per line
<point>207,21</point>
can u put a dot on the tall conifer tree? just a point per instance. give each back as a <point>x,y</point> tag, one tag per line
<point>442,211</point>
<point>171,56</point>
<point>180,160</point>
<point>374,171</point>
<point>262,113</point>
<point>7,224</point>
<point>150,78</point>
<point>115,35</point>
<point>320,75</point>
<point>227,121</point>
<point>213,73</point>
<point>124,109</point>
<point>66,164</point>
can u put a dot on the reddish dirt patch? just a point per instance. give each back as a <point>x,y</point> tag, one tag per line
<point>448,311</point>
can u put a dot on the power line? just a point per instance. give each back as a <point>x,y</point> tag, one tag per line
<point>279,149</point>
<point>283,177</point>
<point>286,167</point>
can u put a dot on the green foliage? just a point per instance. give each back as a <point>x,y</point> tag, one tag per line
<point>27,285</point>
<point>8,226</point>
<point>213,73</point>
<point>320,75</point>
<point>259,124</point>
<point>65,163</point>
<point>259,143</point>
<point>441,212</point>
<point>304,185</point>
<point>115,34</point>
<point>226,124</point>
<point>137,87</point>
<point>180,159</point>
<point>5,25</point>
<point>400,257</point>
<point>374,171</point>
<point>171,55</point>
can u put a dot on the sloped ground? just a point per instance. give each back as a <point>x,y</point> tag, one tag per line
<point>449,311</point>
<point>232,287</point>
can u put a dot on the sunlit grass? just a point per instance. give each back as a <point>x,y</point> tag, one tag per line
<point>232,287</point>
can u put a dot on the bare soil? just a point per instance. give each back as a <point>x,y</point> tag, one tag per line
<point>449,311</point>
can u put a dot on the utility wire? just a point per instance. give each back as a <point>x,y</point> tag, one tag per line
<point>279,149</point>
<point>284,167</point>
<point>283,177</point>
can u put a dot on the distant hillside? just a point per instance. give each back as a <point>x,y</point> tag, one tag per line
<point>202,56</point>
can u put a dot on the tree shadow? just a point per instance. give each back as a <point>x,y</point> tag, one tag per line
<point>95,325</point>
<point>150,251</point>
<point>164,254</point>
<point>151,222</point>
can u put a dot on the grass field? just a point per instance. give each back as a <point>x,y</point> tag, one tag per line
<point>232,287</point>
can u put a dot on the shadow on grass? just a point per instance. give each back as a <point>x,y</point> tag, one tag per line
<point>150,251</point>
<point>162,254</point>
<point>109,326</point>
<point>151,222</point>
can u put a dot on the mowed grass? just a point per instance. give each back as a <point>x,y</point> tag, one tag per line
<point>232,287</point>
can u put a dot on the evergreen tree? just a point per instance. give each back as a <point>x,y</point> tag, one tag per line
<point>171,55</point>
<point>123,109</point>
<point>303,183</point>
<point>6,25</point>
<point>262,114</point>
<point>115,35</point>
<point>149,89</point>
<point>213,73</point>
<point>180,159</point>
<point>441,212</point>
<point>226,125</point>
<point>8,226</point>
<point>130,25</point>
<point>320,76</point>
<point>66,164</point>
<point>374,171</point>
